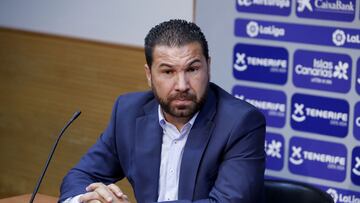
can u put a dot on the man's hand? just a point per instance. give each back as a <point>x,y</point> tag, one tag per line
<point>100,193</point>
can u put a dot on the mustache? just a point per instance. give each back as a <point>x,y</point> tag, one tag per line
<point>182,96</point>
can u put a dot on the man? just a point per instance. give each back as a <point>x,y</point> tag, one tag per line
<point>187,140</point>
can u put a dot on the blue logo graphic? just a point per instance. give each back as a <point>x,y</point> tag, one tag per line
<point>274,7</point>
<point>358,77</point>
<point>289,32</point>
<point>322,115</point>
<point>341,195</point>
<point>274,148</point>
<point>322,71</point>
<point>357,121</point>
<point>260,63</point>
<point>270,102</point>
<point>319,159</point>
<point>340,10</point>
<point>355,166</point>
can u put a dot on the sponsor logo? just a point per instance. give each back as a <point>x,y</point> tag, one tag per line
<point>270,102</point>
<point>271,3</point>
<point>316,158</point>
<point>274,149</point>
<point>299,115</point>
<point>356,128</point>
<point>302,4</point>
<point>289,32</point>
<point>275,65</point>
<point>326,6</point>
<point>356,169</point>
<point>340,38</point>
<point>259,63</point>
<point>333,193</point>
<point>253,29</point>
<point>340,10</point>
<point>355,166</point>
<point>322,115</point>
<point>272,7</point>
<point>320,70</point>
<point>341,196</point>
<point>324,69</point>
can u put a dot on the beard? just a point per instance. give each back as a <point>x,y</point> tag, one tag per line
<point>180,111</point>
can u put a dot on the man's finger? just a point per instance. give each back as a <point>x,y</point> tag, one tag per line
<point>116,190</point>
<point>94,186</point>
<point>90,196</point>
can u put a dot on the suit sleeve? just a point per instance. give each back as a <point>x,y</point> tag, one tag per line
<point>241,174</point>
<point>99,164</point>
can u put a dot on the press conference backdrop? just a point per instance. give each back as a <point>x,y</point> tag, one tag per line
<point>299,63</point>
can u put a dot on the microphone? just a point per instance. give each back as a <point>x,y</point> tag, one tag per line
<point>76,114</point>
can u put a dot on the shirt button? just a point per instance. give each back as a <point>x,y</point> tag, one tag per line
<point>171,170</point>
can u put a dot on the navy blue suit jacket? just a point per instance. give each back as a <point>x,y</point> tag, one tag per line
<point>223,159</point>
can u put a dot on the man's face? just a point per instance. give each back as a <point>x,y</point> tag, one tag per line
<point>179,77</point>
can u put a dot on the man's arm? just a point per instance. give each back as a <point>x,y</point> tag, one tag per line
<point>99,164</point>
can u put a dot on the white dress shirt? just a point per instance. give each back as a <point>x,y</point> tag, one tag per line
<point>172,148</point>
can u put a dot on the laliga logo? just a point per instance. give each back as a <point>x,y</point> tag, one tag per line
<point>240,64</point>
<point>356,170</point>
<point>244,2</point>
<point>339,37</point>
<point>252,29</point>
<point>298,114</point>
<point>296,157</point>
<point>302,4</point>
<point>333,193</point>
<point>273,149</point>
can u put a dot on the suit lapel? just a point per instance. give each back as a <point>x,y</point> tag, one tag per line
<point>195,146</point>
<point>148,152</point>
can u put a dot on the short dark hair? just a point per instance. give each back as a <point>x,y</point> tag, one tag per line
<point>173,33</point>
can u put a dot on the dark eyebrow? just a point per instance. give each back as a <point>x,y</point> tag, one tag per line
<point>194,61</point>
<point>165,65</point>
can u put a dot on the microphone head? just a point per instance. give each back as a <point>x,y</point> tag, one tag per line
<point>76,114</point>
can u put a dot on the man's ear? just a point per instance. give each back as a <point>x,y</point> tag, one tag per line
<point>148,74</point>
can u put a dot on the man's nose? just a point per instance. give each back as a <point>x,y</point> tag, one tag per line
<point>182,83</point>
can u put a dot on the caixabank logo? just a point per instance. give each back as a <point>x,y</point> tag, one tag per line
<point>323,115</point>
<point>260,63</point>
<point>339,10</point>
<point>300,33</point>
<point>357,85</point>
<point>355,166</point>
<point>356,129</point>
<point>273,7</point>
<point>271,103</point>
<point>322,71</point>
<point>319,159</point>
<point>274,149</point>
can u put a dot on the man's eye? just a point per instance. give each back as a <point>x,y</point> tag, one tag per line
<point>192,69</point>
<point>167,72</point>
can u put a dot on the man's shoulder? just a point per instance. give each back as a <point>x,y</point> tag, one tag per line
<point>234,108</point>
<point>134,100</point>
<point>226,100</point>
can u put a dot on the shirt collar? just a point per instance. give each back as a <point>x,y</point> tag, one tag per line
<point>163,122</point>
